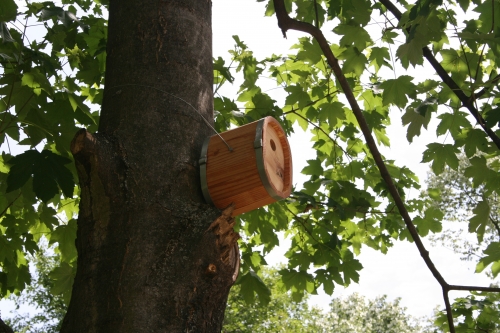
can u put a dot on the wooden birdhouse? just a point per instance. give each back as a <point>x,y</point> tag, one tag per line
<point>252,170</point>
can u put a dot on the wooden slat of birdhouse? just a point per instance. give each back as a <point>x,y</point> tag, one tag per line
<point>230,173</point>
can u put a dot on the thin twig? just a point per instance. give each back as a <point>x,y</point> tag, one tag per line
<point>298,218</point>
<point>10,204</point>
<point>318,128</point>
<point>474,288</point>
<point>485,89</point>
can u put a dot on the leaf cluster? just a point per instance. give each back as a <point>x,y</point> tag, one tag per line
<point>53,60</point>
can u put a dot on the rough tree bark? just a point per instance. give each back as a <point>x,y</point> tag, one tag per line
<point>152,256</point>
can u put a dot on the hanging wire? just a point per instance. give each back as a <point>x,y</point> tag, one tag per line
<point>166,92</point>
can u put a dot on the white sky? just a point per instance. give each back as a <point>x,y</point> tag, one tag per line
<point>400,273</point>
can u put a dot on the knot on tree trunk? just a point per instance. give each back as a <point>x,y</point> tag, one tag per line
<point>226,240</point>
<point>83,142</point>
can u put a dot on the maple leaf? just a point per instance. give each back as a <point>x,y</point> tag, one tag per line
<point>396,90</point>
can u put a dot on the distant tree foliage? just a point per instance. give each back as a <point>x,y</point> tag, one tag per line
<point>356,314</point>
<point>351,314</point>
<point>280,314</point>
<point>468,206</point>
<point>472,209</point>
<point>50,308</point>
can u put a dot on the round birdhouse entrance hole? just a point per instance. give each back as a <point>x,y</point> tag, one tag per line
<point>273,145</point>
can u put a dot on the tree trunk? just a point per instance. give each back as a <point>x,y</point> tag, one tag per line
<point>152,256</point>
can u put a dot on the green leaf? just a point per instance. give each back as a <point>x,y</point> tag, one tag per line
<point>396,90</point>
<point>298,282</point>
<point>411,52</point>
<point>389,35</point>
<point>224,71</point>
<point>293,117</point>
<point>48,217</point>
<point>310,52</point>
<point>480,173</point>
<point>441,155</point>
<point>16,278</point>
<point>357,10</point>
<point>8,10</point>
<point>430,222</point>
<point>421,7</point>
<point>333,112</point>
<point>66,17</point>
<point>310,187</point>
<point>255,259</point>
<point>474,140</point>
<point>481,219</point>
<point>380,56</point>
<point>492,256</point>
<point>37,81</point>
<point>251,283</point>
<point>7,249</point>
<point>314,168</point>
<point>350,268</point>
<point>464,4</point>
<point>65,235</point>
<point>488,15</point>
<point>355,61</point>
<point>324,278</point>
<point>296,95</point>
<point>77,103</point>
<point>492,117</point>
<point>454,62</point>
<point>3,165</point>
<point>452,122</point>
<point>416,121</point>
<point>63,277</point>
<point>353,35</point>
<point>48,172</point>
<point>21,169</point>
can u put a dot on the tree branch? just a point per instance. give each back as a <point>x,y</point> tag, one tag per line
<point>449,313</point>
<point>474,288</point>
<point>467,102</point>
<point>286,23</point>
